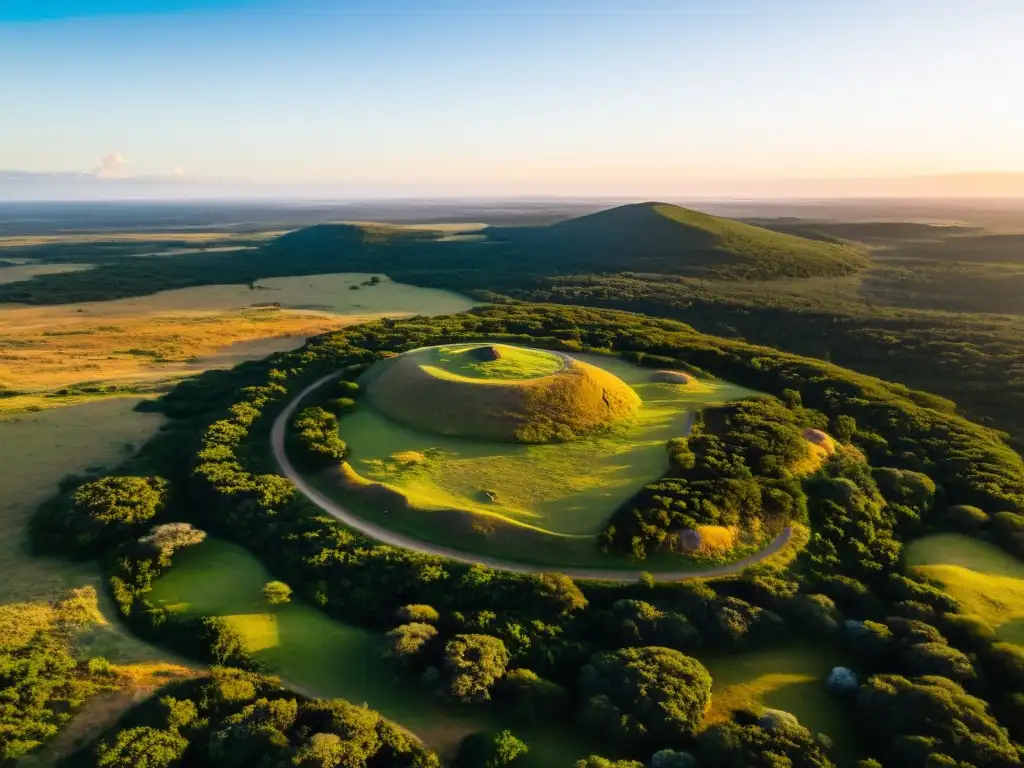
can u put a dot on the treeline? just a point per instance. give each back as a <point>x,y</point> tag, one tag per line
<point>117,276</point>
<point>961,356</point>
<point>546,648</point>
<point>235,719</point>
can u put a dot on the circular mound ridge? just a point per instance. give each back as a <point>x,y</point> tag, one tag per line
<point>498,392</point>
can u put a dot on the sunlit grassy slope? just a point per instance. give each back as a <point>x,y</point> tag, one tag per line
<point>563,488</point>
<point>427,389</point>
<point>791,679</point>
<point>983,578</point>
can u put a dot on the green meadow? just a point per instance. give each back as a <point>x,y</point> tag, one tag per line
<point>985,580</point>
<point>560,489</point>
<point>514,363</point>
<point>325,658</point>
<point>791,679</point>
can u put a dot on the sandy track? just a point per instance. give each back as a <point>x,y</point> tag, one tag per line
<point>387,536</point>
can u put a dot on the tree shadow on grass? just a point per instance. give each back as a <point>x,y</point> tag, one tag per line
<point>817,710</point>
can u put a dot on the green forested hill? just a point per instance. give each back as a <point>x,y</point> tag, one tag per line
<point>668,239</point>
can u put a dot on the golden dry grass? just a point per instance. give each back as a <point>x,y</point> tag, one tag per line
<point>16,241</point>
<point>716,539</point>
<point>28,271</point>
<point>41,351</point>
<point>181,332</point>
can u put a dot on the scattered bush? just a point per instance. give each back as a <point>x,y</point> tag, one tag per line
<point>490,750</point>
<point>474,664</point>
<point>423,614</point>
<point>316,432</point>
<point>165,540</point>
<point>406,642</point>
<point>277,593</point>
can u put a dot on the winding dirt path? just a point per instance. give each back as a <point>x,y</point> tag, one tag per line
<point>387,536</point>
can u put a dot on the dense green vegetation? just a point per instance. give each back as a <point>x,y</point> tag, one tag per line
<point>543,490</point>
<point>234,718</point>
<point>655,237</point>
<point>521,644</point>
<point>41,681</point>
<point>738,467</point>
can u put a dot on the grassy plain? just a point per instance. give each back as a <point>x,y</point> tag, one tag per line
<point>142,341</point>
<point>139,241</point>
<point>43,448</point>
<point>791,679</point>
<point>21,272</point>
<point>323,657</point>
<point>983,578</point>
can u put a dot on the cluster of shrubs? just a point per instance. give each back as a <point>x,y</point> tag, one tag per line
<point>236,719</point>
<point>738,471</point>
<point>314,431</point>
<point>531,644</point>
<point>87,519</point>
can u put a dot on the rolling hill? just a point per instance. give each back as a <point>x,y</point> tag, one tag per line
<point>667,239</point>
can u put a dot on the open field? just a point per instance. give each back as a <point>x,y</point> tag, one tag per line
<point>21,272</point>
<point>142,341</point>
<point>134,240</point>
<point>983,578</point>
<point>791,679</point>
<point>44,447</point>
<point>323,657</point>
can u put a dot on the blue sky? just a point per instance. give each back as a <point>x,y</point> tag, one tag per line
<point>498,96</point>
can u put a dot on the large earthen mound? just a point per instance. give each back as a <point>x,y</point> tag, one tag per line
<point>416,389</point>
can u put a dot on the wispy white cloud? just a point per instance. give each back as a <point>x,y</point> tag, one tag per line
<point>112,166</point>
